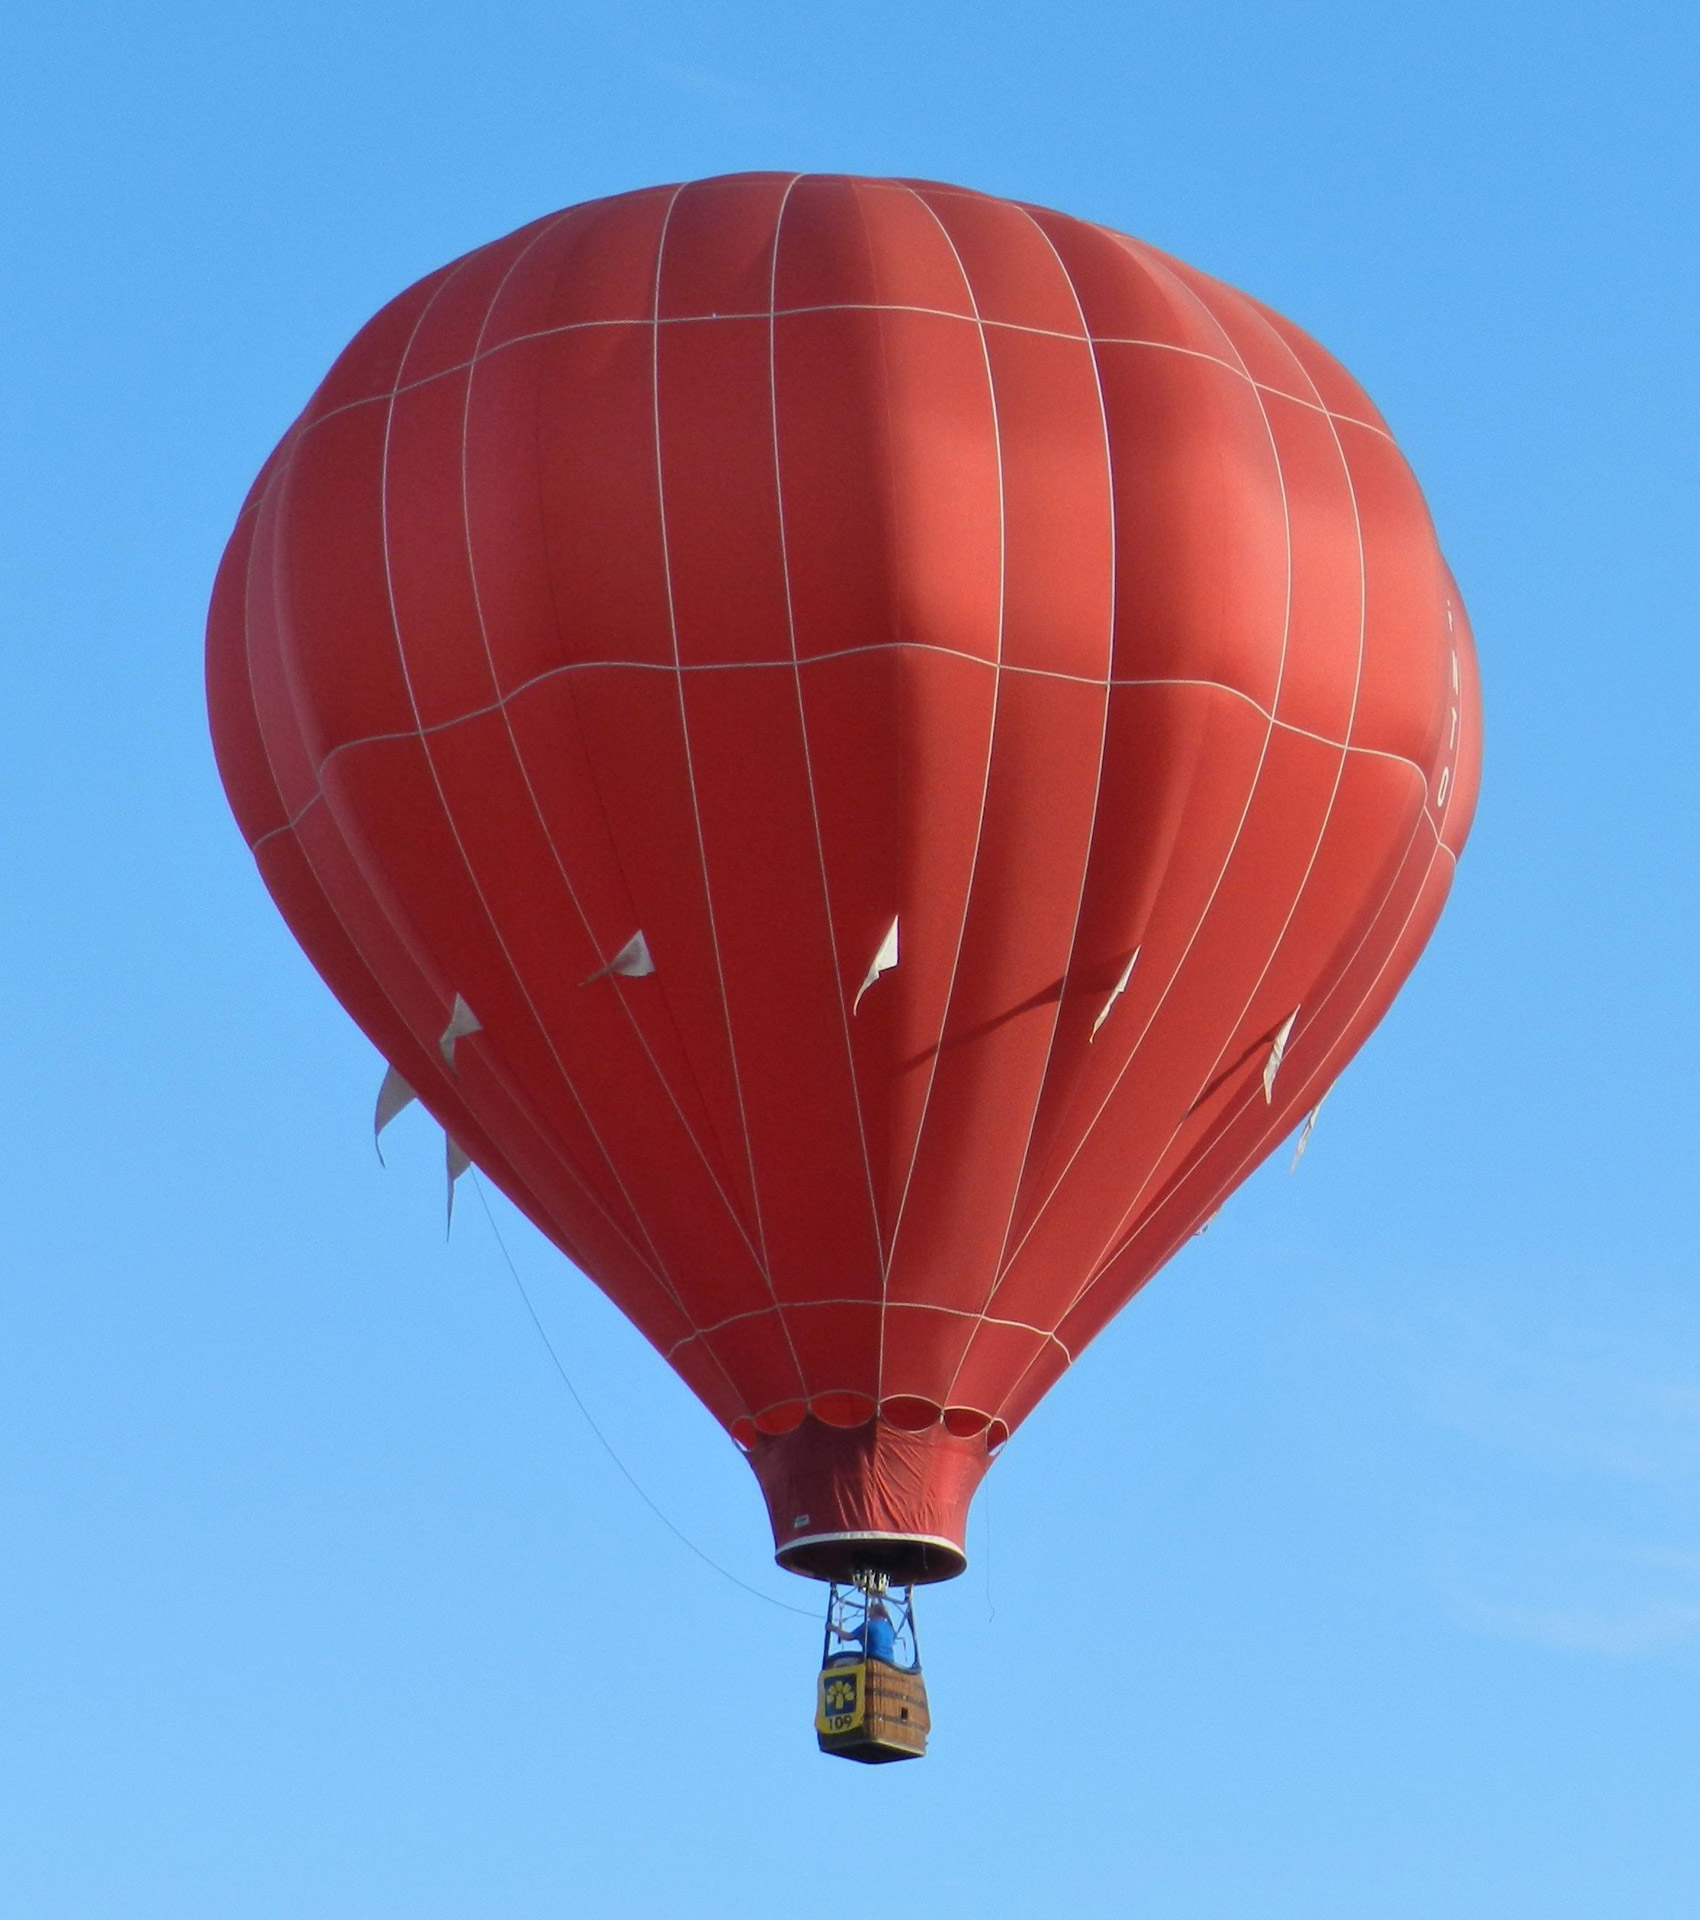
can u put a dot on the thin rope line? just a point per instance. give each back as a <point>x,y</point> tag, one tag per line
<point>603,1441</point>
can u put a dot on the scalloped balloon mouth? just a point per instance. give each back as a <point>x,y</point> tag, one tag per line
<point>907,1413</point>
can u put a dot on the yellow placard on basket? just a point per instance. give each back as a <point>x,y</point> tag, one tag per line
<point>839,1697</point>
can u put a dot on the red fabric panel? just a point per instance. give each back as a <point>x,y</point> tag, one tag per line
<point>753,563</point>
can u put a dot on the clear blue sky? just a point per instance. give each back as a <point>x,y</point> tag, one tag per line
<point>1356,1570</point>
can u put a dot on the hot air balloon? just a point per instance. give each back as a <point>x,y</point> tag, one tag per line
<point>868,751</point>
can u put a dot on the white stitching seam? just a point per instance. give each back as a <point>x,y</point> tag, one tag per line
<point>1315,854</point>
<point>531,790</point>
<point>1091,834</point>
<point>747,666</point>
<point>1233,845</point>
<point>1298,1100</point>
<point>768,315</point>
<point>466,859</point>
<point>280,477</point>
<point>853,1300</point>
<point>696,807</point>
<point>796,664</point>
<point>421,732</point>
<point>980,819</point>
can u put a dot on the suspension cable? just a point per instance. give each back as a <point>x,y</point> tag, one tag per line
<point>606,1444</point>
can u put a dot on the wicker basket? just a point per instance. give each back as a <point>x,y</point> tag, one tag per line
<point>866,1710</point>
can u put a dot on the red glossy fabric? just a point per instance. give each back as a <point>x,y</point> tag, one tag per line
<point>759,561</point>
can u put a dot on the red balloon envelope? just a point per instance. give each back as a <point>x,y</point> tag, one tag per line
<point>868,751</point>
